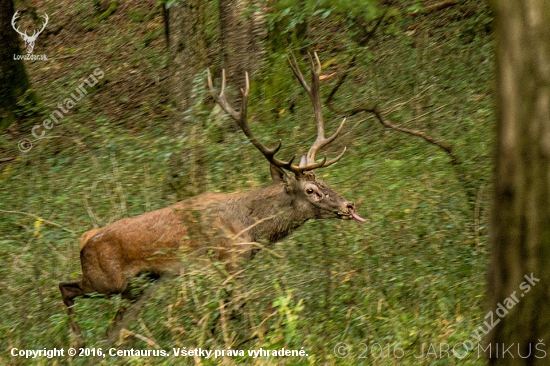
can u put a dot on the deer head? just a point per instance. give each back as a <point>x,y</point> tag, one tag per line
<point>311,197</point>
<point>29,40</point>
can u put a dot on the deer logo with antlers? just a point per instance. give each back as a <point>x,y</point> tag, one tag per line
<point>29,40</point>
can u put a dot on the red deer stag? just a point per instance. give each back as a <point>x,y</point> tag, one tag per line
<point>151,243</point>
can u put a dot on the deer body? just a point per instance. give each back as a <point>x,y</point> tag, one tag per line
<point>228,226</point>
<point>211,221</point>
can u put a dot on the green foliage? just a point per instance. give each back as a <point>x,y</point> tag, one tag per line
<point>28,105</point>
<point>412,275</point>
<point>137,16</point>
<point>297,12</point>
<point>287,323</point>
<point>110,10</point>
<point>293,19</point>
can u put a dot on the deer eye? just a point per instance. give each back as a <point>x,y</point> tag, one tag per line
<point>309,191</point>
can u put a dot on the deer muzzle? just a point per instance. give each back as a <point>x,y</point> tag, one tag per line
<point>350,213</point>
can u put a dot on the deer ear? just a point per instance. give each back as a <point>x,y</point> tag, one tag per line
<point>277,174</point>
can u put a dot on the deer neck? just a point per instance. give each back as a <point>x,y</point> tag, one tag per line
<point>269,212</point>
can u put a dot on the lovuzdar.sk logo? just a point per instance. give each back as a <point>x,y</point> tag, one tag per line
<point>29,40</point>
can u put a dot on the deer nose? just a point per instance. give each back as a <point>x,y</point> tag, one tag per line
<point>350,206</point>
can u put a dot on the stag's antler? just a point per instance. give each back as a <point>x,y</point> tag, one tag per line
<point>315,97</point>
<point>241,119</point>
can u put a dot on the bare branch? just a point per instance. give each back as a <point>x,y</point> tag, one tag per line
<point>39,218</point>
<point>435,7</point>
<point>446,147</point>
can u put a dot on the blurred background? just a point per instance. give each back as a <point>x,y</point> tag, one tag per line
<point>414,78</point>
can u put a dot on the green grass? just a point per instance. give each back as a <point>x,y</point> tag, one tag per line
<point>412,275</point>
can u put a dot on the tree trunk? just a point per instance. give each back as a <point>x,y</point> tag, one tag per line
<point>13,78</point>
<point>242,28</point>
<point>187,51</point>
<point>187,45</point>
<point>519,274</point>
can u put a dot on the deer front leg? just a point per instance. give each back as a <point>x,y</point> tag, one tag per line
<point>70,290</point>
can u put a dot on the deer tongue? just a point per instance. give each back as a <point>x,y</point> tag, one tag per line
<point>357,217</point>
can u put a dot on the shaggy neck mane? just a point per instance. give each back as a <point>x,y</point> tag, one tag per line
<point>268,211</point>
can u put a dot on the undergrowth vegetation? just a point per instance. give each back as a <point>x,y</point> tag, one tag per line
<point>411,276</point>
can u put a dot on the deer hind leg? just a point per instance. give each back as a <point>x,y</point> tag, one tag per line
<point>131,295</point>
<point>127,313</point>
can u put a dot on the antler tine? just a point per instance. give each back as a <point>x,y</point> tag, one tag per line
<point>289,166</point>
<point>330,162</point>
<point>325,141</point>
<point>221,99</point>
<point>210,83</point>
<point>318,71</point>
<point>241,119</point>
<point>222,91</point>
<point>321,164</point>
<point>245,92</point>
<point>315,97</point>
<point>297,72</point>
<point>314,165</point>
<point>315,68</point>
